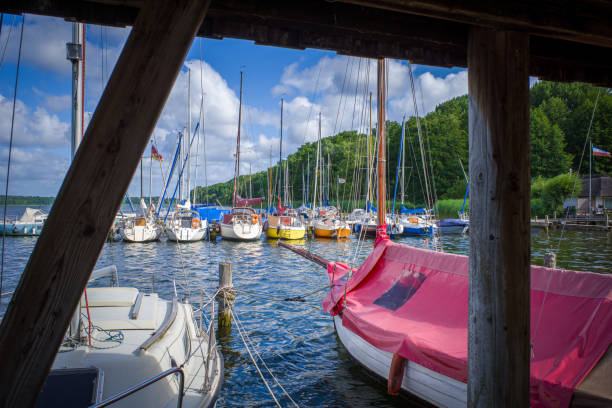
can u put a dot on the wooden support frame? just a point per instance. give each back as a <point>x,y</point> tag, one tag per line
<point>499,294</point>
<point>66,252</point>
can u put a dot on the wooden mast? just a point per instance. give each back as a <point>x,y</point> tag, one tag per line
<point>499,274</point>
<point>380,128</point>
<point>237,161</point>
<point>66,252</point>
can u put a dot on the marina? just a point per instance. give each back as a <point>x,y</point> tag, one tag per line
<point>296,339</point>
<point>380,288</point>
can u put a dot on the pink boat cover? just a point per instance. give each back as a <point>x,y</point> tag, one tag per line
<point>243,202</point>
<point>414,302</point>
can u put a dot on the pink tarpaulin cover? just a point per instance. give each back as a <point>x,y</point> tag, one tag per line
<point>414,302</point>
<point>243,202</point>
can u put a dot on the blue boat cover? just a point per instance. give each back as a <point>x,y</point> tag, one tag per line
<point>210,212</point>
<point>453,222</point>
<point>404,210</point>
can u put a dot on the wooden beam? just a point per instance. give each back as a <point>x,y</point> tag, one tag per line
<point>586,21</point>
<point>499,282</point>
<point>66,252</point>
<point>376,29</point>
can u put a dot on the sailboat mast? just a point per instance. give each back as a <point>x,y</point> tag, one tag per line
<point>380,127</point>
<point>314,197</point>
<point>270,180</point>
<point>151,180</point>
<point>189,132</point>
<point>250,184</point>
<point>368,170</point>
<point>280,155</point>
<point>590,174</point>
<point>307,176</point>
<point>403,156</point>
<point>75,55</point>
<point>237,162</point>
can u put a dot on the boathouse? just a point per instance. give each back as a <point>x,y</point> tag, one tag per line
<point>596,191</point>
<point>501,43</point>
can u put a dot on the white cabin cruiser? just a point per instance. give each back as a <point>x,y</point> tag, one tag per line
<point>138,351</point>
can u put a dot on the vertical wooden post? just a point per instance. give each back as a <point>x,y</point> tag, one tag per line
<point>499,294</point>
<point>58,270</point>
<point>550,260</point>
<point>225,298</point>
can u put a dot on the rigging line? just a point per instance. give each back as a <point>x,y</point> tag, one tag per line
<point>314,98</point>
<point>8,166</point>
<point>253,359</point>
<point>254,347</point>
<point>7,39</point>
<point>203,126</point>
<point>348,60</point>
<point>541,308</point>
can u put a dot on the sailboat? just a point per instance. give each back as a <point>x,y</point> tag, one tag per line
<point>403,315</point>
<point>122,340</point>
<point>287,223</point>
<point>326,222</point>
<point>141,228</point>
<point>242,223</point>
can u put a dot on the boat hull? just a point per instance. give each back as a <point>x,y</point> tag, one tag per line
<point>186,234</point>
<point>241,231</point>
<point>21,229</point>
<point>332,233</point>
<point>418,381</point>
<point>141,234</point>
<point>286,233</point>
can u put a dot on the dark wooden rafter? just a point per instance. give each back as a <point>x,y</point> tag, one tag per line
<point>585,21</point>
<point>429,33</point>
<point>66,252</point>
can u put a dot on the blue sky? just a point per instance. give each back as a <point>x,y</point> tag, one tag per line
<point>310,81</point>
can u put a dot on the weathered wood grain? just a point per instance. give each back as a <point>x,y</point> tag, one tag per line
<point>498,336</point>
<point>66,252</point>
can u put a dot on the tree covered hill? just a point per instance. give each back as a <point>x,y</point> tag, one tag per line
<point>560,117</point>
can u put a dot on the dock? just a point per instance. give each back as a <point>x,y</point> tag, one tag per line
<point>582,223</point>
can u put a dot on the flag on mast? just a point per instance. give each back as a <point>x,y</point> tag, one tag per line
<point>155,154</point>
<point>601,152</point>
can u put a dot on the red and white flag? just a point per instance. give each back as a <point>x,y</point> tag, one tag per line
<point>601,152</point>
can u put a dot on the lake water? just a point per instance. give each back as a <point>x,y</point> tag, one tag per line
<point>296,339</point>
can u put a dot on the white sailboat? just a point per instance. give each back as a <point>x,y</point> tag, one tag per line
<point>141,228</point>
<point>242,223</point>
<point>186,226</point>
<point>133,349</point>
<point>30,223</point>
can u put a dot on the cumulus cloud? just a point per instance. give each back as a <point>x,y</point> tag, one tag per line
<point>32,127</point>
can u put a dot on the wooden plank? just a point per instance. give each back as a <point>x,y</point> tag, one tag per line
<point>66,252</point>
<point>498,326</point>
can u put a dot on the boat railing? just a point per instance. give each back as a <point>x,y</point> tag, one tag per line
<point>117,397</point>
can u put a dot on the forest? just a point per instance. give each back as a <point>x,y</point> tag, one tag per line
<point>560,119</point>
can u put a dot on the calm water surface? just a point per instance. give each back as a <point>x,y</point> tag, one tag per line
<point>296,340</point>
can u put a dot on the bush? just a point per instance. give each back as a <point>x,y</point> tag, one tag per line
<point>450,208</point>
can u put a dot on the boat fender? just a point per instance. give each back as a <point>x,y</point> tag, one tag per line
<point>396,374</point>
<point>195,223</point>
<point>254,219</point>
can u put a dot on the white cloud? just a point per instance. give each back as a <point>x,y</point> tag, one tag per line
<point>37,128</point>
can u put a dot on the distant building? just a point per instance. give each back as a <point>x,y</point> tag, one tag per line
<point>601,195</point>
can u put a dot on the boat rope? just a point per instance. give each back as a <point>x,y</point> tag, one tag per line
<point>297,298</point>
<point>247,340</point>
<point>550,273</point>
<point>253,359</point>
<point>8,165</point>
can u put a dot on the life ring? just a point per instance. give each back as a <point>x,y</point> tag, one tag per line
<point>254,219</point>
<point>195,223</point>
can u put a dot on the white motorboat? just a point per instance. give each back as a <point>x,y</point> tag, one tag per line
<point>241,224</point>
<point>30,223</point>
<point>186,226</point>
<point>134,349</point>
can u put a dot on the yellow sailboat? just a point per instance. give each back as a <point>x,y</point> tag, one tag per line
<point>286,226</point>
